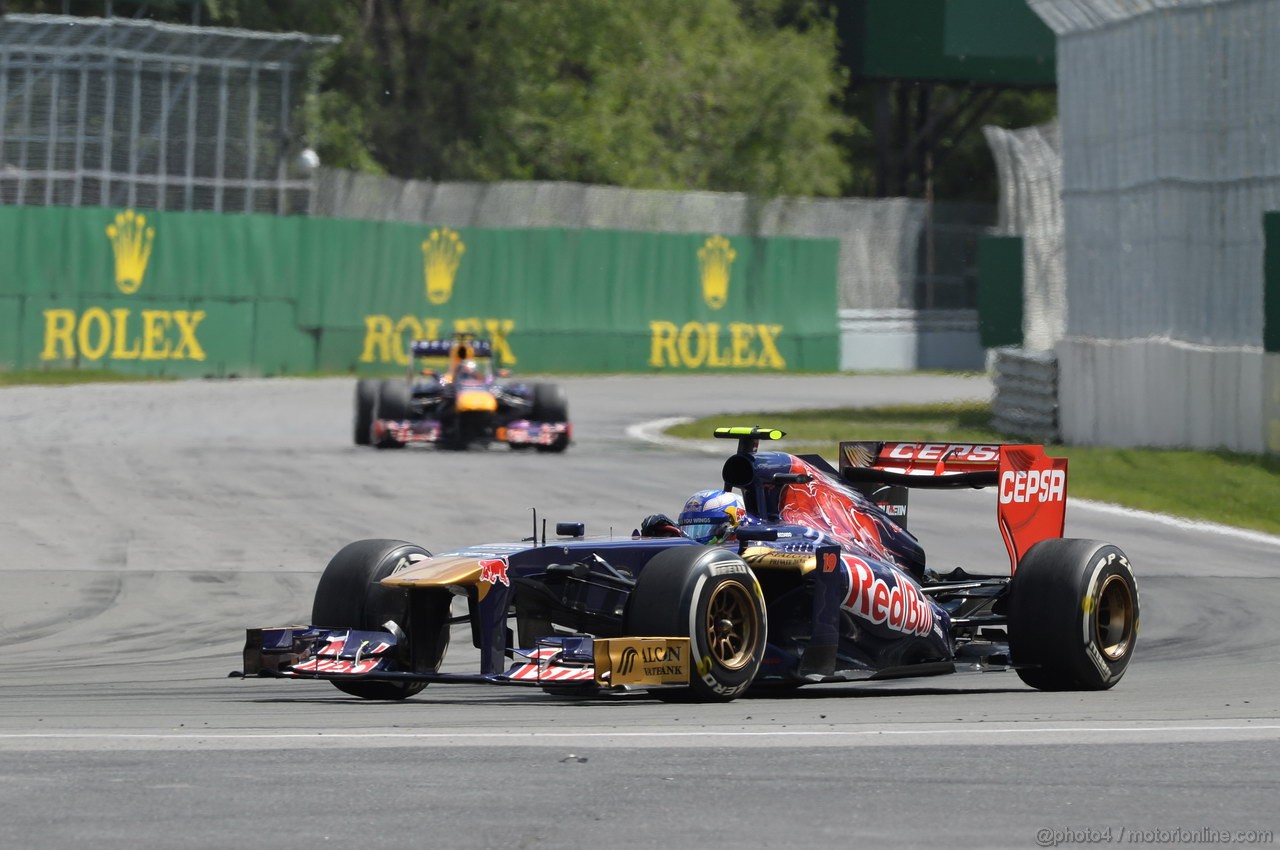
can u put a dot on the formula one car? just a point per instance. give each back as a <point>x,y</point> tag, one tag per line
<point>464,404</point>
<point>821,582</point>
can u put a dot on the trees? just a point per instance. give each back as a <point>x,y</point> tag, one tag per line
<point>723,95</point>
<point>664,94</point>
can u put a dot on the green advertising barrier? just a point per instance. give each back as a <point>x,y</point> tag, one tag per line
<point>209,294</point>
<point>150,293</point>
<point>1271,282</point>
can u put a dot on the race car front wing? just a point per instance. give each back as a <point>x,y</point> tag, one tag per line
<point>520,432</point>
<point>304,652</point>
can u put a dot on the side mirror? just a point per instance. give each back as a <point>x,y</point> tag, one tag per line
<point>570,529</point>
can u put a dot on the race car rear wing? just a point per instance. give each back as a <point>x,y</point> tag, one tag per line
<point>467,348</point>
<point>1031,499</point>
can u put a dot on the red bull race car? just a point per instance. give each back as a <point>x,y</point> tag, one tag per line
<point>816,579</point>
<point>454,398</point>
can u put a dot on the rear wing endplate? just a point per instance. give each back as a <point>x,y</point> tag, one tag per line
<point>1031,495</point>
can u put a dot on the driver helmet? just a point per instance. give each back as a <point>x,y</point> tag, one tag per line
<point>467,370</point>
<point>710,515</point>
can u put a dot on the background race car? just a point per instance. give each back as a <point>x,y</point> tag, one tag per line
<point>453,398</point>
<point>818,580</point>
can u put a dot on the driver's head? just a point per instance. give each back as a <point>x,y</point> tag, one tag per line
<point>467,369</point>
<point>710,514</point>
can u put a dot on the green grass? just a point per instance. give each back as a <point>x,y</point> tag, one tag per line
<point>61,377</point>
<point>1233,489</point>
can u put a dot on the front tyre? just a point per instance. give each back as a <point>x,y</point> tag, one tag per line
<point>550,404</point>
<point>366,398</point>
<point>710,596</point>
<point>394,402</point>
<point>1073,615</point>
<point>349,596</point>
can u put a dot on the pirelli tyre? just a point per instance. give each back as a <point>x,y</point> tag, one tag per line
<point>1073,615</point>
<point>366,397</point>
<point>349,596</point>
<point>550,404</point>
<point>710,596</point>
<point>394,401</point>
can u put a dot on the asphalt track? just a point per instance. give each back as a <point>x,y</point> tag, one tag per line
<point>144,526</point>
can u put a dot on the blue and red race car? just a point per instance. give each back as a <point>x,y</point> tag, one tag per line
<point>819,582</point>
<point>454,398</point>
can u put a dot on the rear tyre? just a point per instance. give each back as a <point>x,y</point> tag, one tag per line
<point>710,596</point>
<point>366,398</point>
<point>550,404</point>
<point>349,597</point>
<point>1073,615</point>
<point>394,401</point>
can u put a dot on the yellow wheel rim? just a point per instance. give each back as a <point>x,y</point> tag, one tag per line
<point>1116,618</point>
<point>731,625</point>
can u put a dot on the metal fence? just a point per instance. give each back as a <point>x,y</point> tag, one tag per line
<point>1171,154</point>
<point>117,112</point>
<point>1029,162</point>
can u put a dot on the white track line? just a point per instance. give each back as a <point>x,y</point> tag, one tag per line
<point>1179,522</point>
<point>652,432</point>
<point>708,733</point>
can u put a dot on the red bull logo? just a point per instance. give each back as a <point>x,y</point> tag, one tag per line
<point>494,572</point>
<point>900,607</point>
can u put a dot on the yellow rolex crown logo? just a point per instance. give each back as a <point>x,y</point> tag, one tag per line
<point>441,253</point>
<point>716,258</point>
<point>131,241</point>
